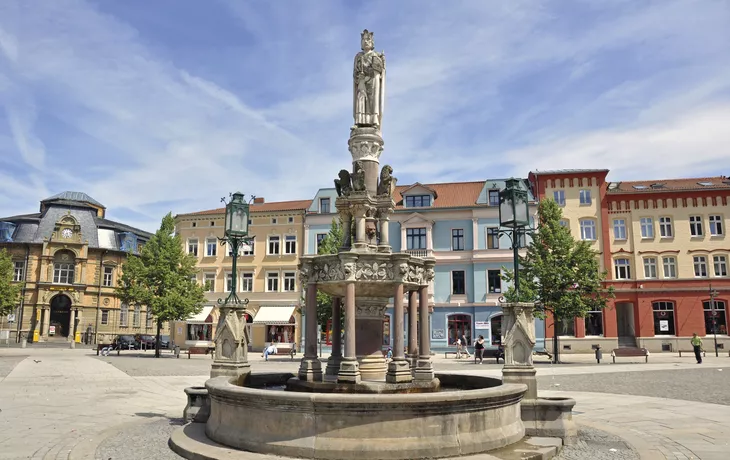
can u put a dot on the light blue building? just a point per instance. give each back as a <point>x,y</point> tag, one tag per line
<point>457,224</point>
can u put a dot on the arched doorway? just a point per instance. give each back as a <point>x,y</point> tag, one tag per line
<point>60,315</point>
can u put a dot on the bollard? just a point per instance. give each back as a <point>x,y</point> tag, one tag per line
<point>599,354</point>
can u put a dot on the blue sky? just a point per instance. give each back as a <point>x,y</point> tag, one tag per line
<point>161,106</point>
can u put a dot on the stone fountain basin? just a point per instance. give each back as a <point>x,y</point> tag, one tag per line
<point>470,415</point>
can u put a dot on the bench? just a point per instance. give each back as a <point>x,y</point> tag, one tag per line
<point>201,351</point>
<point>630,353</point>
<point>463,353</point>
<point>491,353</point>
<point>690,352</point>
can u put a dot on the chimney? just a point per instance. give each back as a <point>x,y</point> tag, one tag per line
<point>258,200</point>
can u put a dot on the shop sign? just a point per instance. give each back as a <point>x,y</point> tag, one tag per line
<point>51,330</point>
<point>483,325</point>
<point>664,325</point>
<point>438,334</point>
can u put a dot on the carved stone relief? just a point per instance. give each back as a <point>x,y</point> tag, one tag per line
<point>374,271</point>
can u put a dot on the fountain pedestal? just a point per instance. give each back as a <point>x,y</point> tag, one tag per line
<point>231,344</point>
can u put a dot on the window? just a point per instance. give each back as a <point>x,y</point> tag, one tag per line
<point>559,196</point>
<point>229,282</point>
<point>123,315</point>
<point>247,249</point>
<point>63,273</point>
<point>105,317</point>
<point>700,263</point>
<point>715,225</point>
<point>695,225</point>
<point>457,239</point>
<point>594,323</point>
<point>622,269</point>
<point>458,282</point>
<point>212,223</point>
<point>290,244</point>
<point>494,281</point>
<point>587,230</point>
<point>665,227</point>
<point>320,237</point>
<point>720,263</point>
<point>647,227</point>
<point>566,327</point>
<point>272,282</point>
<point>108,272</point>
<point>415,238</point>
<point>273,221</point>
<point>564,223</point>
<point>210,281</point>
<point>619,229</point>
<point>18,270</point>
<point>418,201</point>
<point>715,319</point>
<point>459,328</point>
<point>670,267</point>
<point>496,330</point>
<point>650,267</point>
<point>149,318</point>
<point>195,224</point>
<point>247,282</point>
<point>193,247</point>
<point>663,318</point>
<point>494,198</point>
<point>290,220</point>
<point>492,238</point>
<point>585,197</point>
<point>290,281</point>
<point>136,316</point>
<point>324,205</point>
<point>273,245</point>
<point>211,247</point>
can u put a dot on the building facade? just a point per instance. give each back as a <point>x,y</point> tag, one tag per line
<point>267,270</point>
<point>69,258</point>
<point>664,246</point>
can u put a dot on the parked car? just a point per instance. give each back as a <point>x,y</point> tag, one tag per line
<point>145,341</point>
<point>126,342</point>
<point>165,342</point>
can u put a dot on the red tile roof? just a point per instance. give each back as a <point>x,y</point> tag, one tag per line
<point>449,195</point>
<point>274,206</point>
<point>671,185</point>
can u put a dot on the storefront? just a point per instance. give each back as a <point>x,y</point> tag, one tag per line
<point>274,324</point>
<point>197,332</point>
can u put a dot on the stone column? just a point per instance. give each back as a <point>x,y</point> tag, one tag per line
<point>360,239</point>
<point>384,244</point>
<point>518,330</point>
<point>424,367</point>
<point>413,329</point>
<point>398,369</point>
<point>310,369</point>
<point>347,231</point>
<point>333,362</point>
<point>349,367</point>
<point>46,322</point>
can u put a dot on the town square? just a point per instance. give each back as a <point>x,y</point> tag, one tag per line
<point>411,258</point>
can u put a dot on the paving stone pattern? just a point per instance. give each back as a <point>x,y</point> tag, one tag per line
<point>146,440</point>
<point>8,363</point>
<point>598,445</point>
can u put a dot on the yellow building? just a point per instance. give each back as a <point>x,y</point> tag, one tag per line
<point>69,257</point>
<point>267,271</point>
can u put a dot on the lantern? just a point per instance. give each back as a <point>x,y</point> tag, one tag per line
<point>513,205</point>
<point>236,216</point>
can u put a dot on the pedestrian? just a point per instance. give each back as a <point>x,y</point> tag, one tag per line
<point>479,350</point>
<point>697,345</point>
<point>458,348</point>
<point>270,350</point>
<point>466,345</point>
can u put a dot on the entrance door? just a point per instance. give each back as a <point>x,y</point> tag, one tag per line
<point>625,325</point>
<point>60,315</point>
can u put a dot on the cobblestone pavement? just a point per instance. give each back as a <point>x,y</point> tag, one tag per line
<point>595,444</point>
<point>140,441</point>
<point>8,363</point>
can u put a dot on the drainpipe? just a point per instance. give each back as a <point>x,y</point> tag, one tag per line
<point>98,296</point>
<point>22,294</point>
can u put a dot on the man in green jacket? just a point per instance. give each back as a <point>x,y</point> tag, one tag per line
<point>697,345</point>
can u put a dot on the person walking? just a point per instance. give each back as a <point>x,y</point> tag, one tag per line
<point>697,345</point>
<point>458,348</point>
<point>479,350</point>
<point>465,345</point>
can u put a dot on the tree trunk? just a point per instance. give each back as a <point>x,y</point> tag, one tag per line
<point>556,345</point>
<point>157,339</point>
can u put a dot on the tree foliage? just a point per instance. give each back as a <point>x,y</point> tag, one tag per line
<point>560,273</point>
<point>330,244</point>
<point>161,277</point>
<point>9,291</point>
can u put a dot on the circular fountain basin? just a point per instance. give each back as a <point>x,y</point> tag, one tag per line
<point>470,414</point>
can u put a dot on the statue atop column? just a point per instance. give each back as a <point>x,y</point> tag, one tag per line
<point>369,83</point>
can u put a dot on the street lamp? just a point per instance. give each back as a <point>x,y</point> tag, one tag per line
<point>713,295</point>
<point>514,214</point>
<point>235,233</point>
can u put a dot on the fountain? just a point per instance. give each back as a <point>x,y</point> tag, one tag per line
<point>357,406</point>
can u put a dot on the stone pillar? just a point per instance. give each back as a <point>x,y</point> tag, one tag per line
<point>230,358</point>
<point>384,244</point>
<point>347,231</point>
<point>360,237</point>
<point>424,367</point>
<point>333,362</point>
<point>518,330</point>
<point>369,314</point>
<point>310,369</point>
<point>349,367</point>
<point>413,329</point>
<point>398,369</point>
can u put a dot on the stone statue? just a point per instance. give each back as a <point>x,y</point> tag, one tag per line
<point>369,83</point>
<point>358,178</point>
<point>386,186</point>
<point>343,184</point>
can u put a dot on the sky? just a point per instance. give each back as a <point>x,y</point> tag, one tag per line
<point>167,106</point>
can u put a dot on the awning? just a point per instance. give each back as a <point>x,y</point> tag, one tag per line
<point>202,316</point>
<point>274,315</point>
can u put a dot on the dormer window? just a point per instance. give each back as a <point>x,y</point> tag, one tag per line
<point>418,201</point>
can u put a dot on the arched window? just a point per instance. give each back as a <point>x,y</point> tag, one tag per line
<point>63,267</point>
<point>495,330</point>
<point>715,318</point>
<point>459,327</point>
<point>663,318</point>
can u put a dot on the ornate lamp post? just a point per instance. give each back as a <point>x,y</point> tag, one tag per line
<point>713,295</point>
<point>514,214</point>
<point>236,232</point>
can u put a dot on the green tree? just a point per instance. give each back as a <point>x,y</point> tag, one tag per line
<point>330,244</point>
<point>560,273</point>
<point>161,277</point>
<point>9,291</point>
